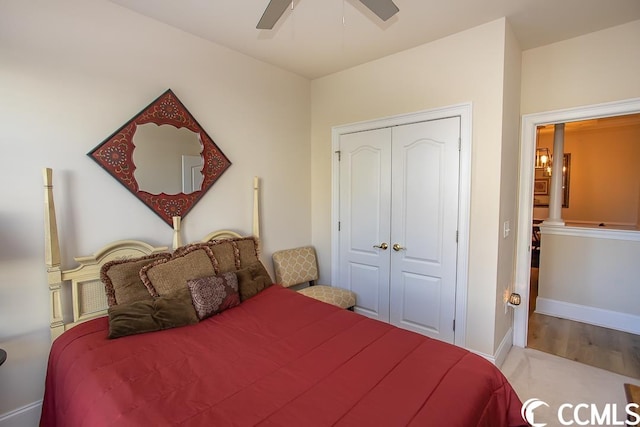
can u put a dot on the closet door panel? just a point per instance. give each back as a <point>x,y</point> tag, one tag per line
<point>365,188</point>
<point>420,195</point>
<point>424,215</point>
<point>418,289</point>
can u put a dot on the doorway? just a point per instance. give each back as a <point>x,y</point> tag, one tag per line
<point>525,200</point>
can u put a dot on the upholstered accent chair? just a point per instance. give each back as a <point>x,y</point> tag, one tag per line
<point>299,265</point>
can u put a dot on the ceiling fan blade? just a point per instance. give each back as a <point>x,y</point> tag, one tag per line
<point>385,9</point>
<point>272,13</point>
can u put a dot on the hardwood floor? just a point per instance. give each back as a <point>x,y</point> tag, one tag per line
<point>604,348</point>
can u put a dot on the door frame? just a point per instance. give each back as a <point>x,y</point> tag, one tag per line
<point>464,195</point>
<point>525,198</point>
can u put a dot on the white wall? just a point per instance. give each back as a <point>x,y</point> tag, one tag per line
<point>441,73</point>
<point>591,278</point>
<point>71,73</point>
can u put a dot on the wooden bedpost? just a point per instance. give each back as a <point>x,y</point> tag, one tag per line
<point>177,239</point>
<point>256,209</point>
<point>52,256</point>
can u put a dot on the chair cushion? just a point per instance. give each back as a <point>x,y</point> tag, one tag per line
<point>337,296</point>
<point>295,266</point>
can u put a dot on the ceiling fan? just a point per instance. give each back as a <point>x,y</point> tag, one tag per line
<point>385,9</point>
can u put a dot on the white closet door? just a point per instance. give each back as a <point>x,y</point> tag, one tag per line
<point>365,189</point>
<point>424,215</point>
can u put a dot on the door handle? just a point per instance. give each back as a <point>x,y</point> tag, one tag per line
<point>382,246</point>
<point>397,247</point>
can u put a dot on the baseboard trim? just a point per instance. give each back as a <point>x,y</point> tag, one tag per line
<point>504,348</point>
<point>30,411</point>
<point>490,358</point>
<point>594,316</point>
<point>501,353</point>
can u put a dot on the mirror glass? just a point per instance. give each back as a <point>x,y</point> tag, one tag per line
<point>168,160</point>
<point>164,157</point>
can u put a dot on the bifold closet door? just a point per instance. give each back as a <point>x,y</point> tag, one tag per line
<point>424,222</point>
<point>398,221</point>
<point>365,209</point>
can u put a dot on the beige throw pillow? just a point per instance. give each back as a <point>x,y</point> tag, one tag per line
<point>166,276</point>
<point>228,254</point>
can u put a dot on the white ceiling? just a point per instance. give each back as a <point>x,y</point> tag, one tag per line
<point>312,40</point>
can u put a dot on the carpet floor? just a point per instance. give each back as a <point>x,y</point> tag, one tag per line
<point>556,380</point>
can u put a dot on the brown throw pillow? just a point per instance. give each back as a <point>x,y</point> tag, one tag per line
<point>229,254</point>
<point>252,280</point>
<point>225,254</point>
<point>169,311</point>
<point>247,251</point>
<point>122,281</point>
<point>214,294</point>
<point>163,277</point>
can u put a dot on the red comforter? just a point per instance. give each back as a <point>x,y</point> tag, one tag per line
<point>278,359</point>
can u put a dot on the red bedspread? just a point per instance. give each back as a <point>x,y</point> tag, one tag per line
<point>278,359</point>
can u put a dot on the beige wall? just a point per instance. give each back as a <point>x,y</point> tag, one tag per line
<point>71,73</point>
<point>604,178</point>
<point>592,69</point>
<point>441,73</point>
<point>638,219</point>
<point>591,272</point>
<point>508,185</point>
<point>596,68</point>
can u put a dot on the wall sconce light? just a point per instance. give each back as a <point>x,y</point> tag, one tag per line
<point>514,300</point>
<point>543,158</point>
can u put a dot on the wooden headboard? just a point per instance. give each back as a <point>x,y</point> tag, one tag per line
<point>87,291</point>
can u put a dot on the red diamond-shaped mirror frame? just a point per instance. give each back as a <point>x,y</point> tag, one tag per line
<point>115,155</point>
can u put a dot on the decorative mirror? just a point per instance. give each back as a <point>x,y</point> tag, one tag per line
<point>164,157</point>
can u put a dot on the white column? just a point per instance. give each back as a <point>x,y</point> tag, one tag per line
<point>555,195</point>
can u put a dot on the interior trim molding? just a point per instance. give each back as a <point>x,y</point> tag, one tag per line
<point>504,348</point>
<point>501,353</point>
<point>525,196</point>
<point>609,225</point>
<point>31,411</point>
<point>594,233</point>
<point>624,322</point>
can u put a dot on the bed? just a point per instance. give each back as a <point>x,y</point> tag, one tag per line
<point>266,356</point>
